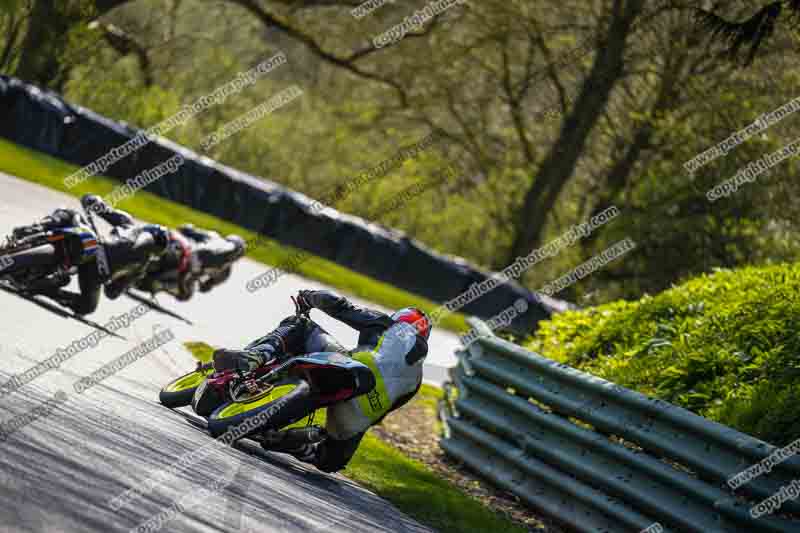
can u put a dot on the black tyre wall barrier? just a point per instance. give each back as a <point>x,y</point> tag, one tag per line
<point>43,121</point>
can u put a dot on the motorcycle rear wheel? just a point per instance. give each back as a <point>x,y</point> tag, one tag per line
<point>40,256</point>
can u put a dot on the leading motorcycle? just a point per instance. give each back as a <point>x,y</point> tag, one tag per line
<point>49,257</point>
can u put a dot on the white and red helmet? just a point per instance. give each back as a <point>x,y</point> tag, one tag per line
<point>415,317</point>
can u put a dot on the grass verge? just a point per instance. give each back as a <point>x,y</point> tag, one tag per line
<point>48,171</point>
<point>409,484</point>
<point>724,345</point>
<point>418,492</point>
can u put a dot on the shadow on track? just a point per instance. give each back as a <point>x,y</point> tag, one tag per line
<point>56,310</point>
<point>62,474</point>
<point>155,306</point>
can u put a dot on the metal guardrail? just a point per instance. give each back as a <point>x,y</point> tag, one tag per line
<point>598,457</point>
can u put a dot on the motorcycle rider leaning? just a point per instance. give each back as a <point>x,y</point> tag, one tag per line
<point>393,347</point>
<point>214,254</point>
<point>130,249</point>
<point>194,256</point>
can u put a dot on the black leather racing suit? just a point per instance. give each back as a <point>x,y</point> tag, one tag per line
<point>172,272</point>
<point>209,263</point>
<point>345,424</point>
<point>212,255</point>
<point>131,248</point>
<point>128,251</point>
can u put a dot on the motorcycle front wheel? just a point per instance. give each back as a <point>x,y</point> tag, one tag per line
<point>289,403</point>
<point>179,392</point>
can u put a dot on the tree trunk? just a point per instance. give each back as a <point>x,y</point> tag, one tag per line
<point>38,62</point>
<point>619,176</point>
<point>560,163</point>
<point>6,56</point>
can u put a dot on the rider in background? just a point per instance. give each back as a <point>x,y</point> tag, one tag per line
<point>172,272</point>
<point>131,247</point>
<point>212,255</point>
<point>193,257</point>
<point>392,346</point>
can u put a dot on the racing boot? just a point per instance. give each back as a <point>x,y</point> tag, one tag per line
<point>59,219</point>
<point>283,342</point>
<point>242,360</point>
<point>116,287</point>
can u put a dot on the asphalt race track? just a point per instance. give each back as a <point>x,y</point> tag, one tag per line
<point>65,455</point>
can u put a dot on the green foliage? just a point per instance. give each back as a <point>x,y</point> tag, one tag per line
<point>9,6</point>
<point>725,345</point>
<point>674,102</point>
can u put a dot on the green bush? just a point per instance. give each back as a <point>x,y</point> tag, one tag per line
<point>725,346</point>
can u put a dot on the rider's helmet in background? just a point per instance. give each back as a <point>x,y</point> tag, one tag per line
<point>160,236</point>
<point>239,243</point>
<point>415,317</point>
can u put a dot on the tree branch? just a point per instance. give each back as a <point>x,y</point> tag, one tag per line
<point>270,20</point>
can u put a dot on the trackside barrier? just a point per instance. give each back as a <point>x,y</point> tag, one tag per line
<point>43,121</point>
<point>598,457</point>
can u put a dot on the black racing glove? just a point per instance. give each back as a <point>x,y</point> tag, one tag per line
<point>304,301</point>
